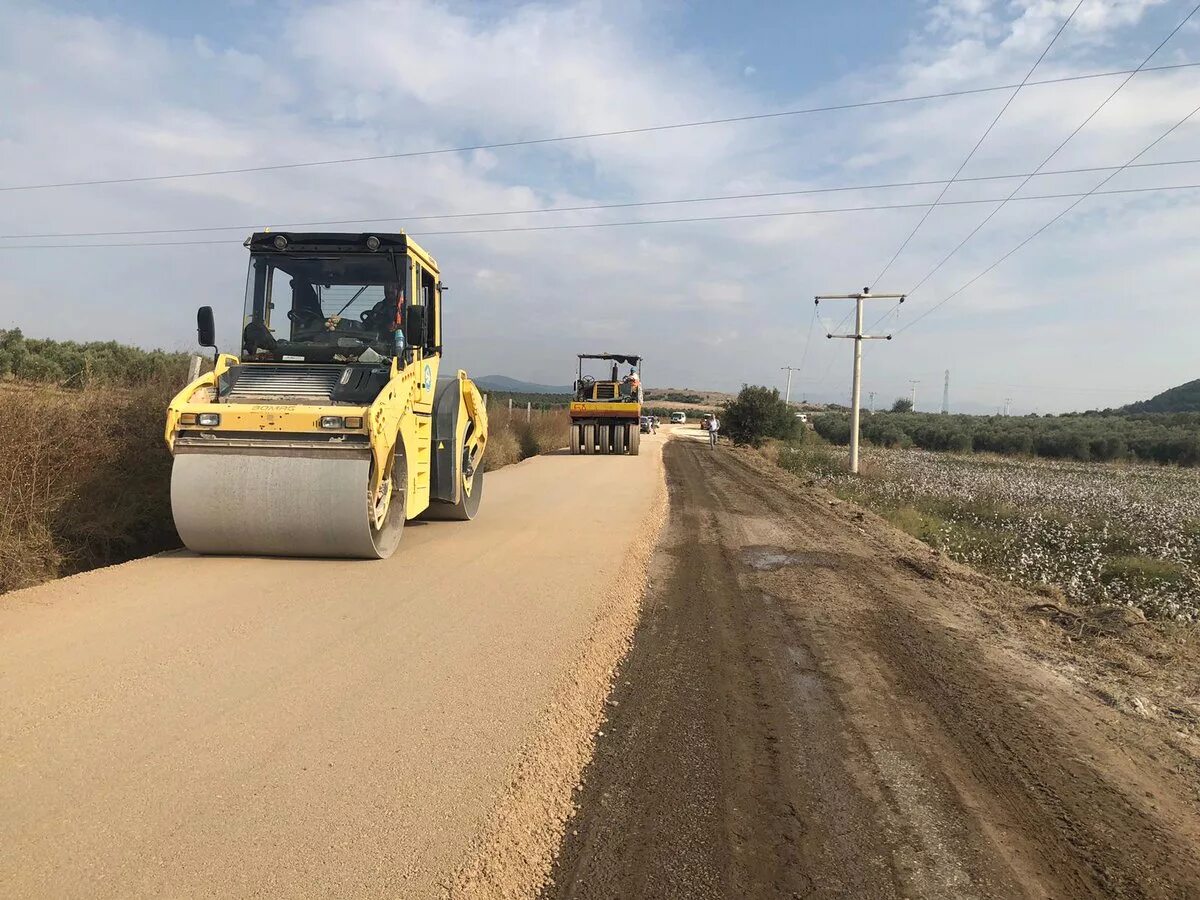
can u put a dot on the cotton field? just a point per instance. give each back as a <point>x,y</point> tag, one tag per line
<point>1127,534</point>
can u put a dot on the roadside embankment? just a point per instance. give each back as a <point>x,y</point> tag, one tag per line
<point>84,479</point>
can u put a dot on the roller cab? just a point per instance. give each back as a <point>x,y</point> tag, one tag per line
<point>606,410</point>
<point>330,428</point>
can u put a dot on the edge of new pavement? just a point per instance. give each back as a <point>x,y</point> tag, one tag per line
<point>512,855</point>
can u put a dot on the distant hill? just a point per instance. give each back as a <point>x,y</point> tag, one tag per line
<point>508,385</point>
<point>1184,398</point>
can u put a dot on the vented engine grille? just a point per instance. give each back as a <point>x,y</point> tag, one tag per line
<point>292,382</point>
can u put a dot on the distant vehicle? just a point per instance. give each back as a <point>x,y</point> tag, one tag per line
<point>678,418</point>
<point>604,409</point>
<point>704,422</point>
<point>647,424</point>
<point>803,417</point>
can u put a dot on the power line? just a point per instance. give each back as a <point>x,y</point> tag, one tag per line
<point>978,144</point>
<point>586,208</point>
<point>808,340</point>
<point>1056,150</point>
<point>1047,159</point>
<point>684,220</point>
<point>866,104</point>
<point>1090,193</point>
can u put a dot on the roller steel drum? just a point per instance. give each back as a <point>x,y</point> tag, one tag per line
<point>295,505</point>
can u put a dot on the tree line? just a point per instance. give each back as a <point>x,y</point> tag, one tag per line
<point>1147,437</point>
<point>73,364</point>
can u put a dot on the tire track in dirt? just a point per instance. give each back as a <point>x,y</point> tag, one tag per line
<point>809,710</point>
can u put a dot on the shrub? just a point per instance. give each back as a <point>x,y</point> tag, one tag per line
<point>511,438</point>
<point>1152,437</point>
<point>758,413</point>
<point>84,480</point>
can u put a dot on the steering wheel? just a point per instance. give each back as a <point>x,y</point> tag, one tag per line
<point>305,319</point>
<point>587,380</point>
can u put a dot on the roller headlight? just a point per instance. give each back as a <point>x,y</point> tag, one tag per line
<point>332,422</point>
<point>208,419</point>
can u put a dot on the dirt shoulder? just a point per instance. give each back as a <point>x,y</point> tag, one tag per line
<point>818,705</point>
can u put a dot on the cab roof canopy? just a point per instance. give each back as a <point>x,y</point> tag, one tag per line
<point>629,358</point>
<point>335,242</point>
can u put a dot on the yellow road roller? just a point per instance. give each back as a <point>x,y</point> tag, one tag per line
<point>331,427</point>
<point>606,411</point>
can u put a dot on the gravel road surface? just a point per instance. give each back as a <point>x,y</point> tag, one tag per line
<point>183,726</point>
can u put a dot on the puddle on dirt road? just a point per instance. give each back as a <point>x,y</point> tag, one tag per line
<point>768,559</point>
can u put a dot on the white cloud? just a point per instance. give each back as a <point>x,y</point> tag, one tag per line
<point>100,98</point>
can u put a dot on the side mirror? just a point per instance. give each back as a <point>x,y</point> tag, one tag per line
<point>415,326</point>
<point>206,328</point>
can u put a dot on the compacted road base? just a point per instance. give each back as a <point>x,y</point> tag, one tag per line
<point>813,709</point>
<point>187,726</point>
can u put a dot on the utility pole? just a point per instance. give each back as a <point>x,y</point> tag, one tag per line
<point>1007,404</point>
<point>787,394</point>
<point>872,396</point>
<point>946,394</point>
<point>912,396</point>
<point>858,337</point>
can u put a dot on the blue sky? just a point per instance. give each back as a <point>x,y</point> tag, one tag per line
<point>1087,315</point>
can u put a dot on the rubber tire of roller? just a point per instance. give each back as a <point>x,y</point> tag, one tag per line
<point>576,439</point>
<point>465,509</point>
<point>618,439</point>
<point>605,438</point>
<point>589,439</point>
<point>635,440</point>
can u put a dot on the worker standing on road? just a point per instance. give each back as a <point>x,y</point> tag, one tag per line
<point>714,425</point>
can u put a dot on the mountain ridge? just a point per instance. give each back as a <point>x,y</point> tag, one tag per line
<point>1182,398</point>
<point>507,385</point>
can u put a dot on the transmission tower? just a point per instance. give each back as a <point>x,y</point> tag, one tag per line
<point>946,394</point>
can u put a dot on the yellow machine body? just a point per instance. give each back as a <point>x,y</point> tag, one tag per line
<point>606,413</point>
<point>274,456</point>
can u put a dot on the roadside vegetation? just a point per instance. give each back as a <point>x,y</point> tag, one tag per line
<point>1091,533</point>
<point>77,365</point>
<point>1110,436</point>
<point>513,438</point>
<point>84,478</point>
<point>756,414</point>
<point>537,401</point>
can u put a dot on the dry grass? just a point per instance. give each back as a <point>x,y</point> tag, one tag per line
<point>85,476</point>
<point>512,438</point>
<point>84,480</point>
